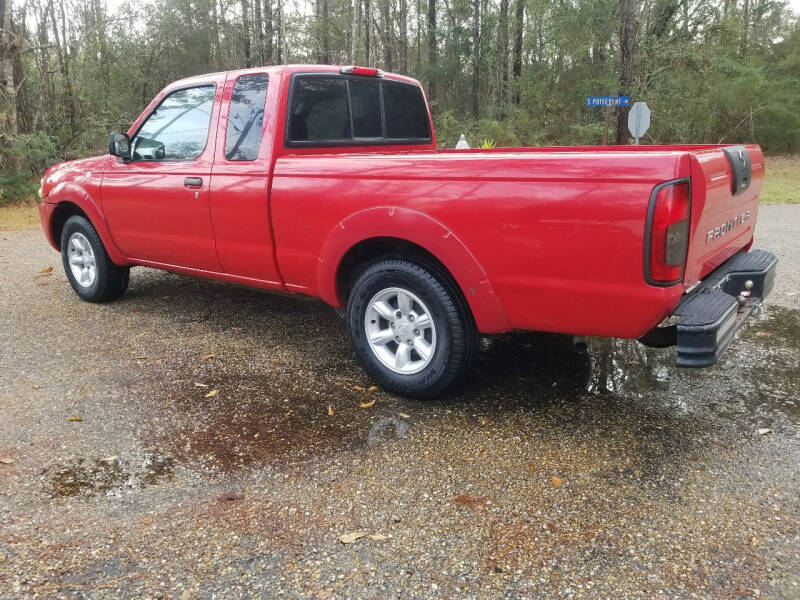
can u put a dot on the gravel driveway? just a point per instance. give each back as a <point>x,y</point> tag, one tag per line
<point>196,440</point>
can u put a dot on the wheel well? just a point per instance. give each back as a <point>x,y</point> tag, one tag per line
<point>373,249</point>
<point>63,211</point>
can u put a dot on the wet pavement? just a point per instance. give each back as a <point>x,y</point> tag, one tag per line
<point>196,440</point>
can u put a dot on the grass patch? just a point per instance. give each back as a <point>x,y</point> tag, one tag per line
<point>782,181</point>
<point>14,217</point>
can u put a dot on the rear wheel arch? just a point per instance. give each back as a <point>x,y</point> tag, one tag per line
<point>379,232</point>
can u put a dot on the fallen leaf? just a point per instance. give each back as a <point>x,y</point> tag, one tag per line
<point>349,538</point>
<point>108,459</point>
<point>207,356</point>
<point>47,270</point>
<point>75,419</point>
<point>556,481</point>
<point>358,388</point>
<point>198,384</point>
<point>485,420</point>
<point>468,500</point>
<point>469,459</point>
<point>142,357</point>
<point>404,415</point>
<point>378,537</point>
<point>147,520</point>
<point>366,404</point>
<point>6,461</point>
<point>372,388</point>
<point>211,394</point>
<point>764,430</point>
<point>330,410</point>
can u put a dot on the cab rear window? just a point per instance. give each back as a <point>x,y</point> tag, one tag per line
<point>335,109</point>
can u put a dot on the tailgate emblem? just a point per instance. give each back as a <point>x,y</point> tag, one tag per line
<point>727,226</point>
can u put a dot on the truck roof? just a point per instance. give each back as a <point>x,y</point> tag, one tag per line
<point>294,68</point>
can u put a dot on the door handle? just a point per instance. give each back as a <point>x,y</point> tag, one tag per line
<point>193,182</point>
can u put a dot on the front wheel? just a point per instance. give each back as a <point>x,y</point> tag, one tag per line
<point>88,267</point>
<point>411,329</point>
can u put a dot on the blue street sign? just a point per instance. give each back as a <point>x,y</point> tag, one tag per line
<point>608,100</point>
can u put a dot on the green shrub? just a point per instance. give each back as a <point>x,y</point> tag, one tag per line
<point>31,152</point>
<point>17,187</point>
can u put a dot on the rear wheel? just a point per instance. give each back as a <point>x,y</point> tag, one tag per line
<point>92,274</point>
<point>410,328</point>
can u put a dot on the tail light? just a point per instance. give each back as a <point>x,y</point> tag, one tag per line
<point>368,71</point>
<point>668,234</point>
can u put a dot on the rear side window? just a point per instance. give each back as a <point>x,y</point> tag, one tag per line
<point>246,117</point>
<point>319,109</point>
<point>406,115</point>
<point>333,109</point>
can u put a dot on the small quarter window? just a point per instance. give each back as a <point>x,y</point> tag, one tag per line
<point>246,117</point>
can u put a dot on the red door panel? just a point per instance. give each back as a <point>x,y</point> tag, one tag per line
<point>158,208</point>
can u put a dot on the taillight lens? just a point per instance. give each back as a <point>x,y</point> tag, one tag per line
<point>669,234</point>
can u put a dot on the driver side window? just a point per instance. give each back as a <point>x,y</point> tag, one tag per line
<point>178,128</point>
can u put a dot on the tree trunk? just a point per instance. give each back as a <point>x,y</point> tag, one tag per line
<point>432,49</point>
<point>518,26</point>
<point>386,18</point>
<point>404,36</point>
<point>62,48</point>
<point>367,27</point>
<point>9,128</point>
<point>627,36</point>
<point>283,48</point>
<point>248,56</point>
<point>323,27</point>
<point>419,38</point>
<point>502,50</point>
<point>259,25</point>
<point>269,32</point>
<point>745,28</point>
<point>476,57</point>
<point>214,34</point>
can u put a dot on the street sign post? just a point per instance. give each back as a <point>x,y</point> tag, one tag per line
<point>638,120</point>
<point>607,102</point>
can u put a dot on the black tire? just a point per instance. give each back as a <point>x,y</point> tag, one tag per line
<point>110,280</point>
<point>457,339</point>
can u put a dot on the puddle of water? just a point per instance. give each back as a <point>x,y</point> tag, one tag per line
<point>282,415</point>
<point>107,477</point>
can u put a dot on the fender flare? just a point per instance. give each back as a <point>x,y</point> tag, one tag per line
<point>75,194</point>
<point>426,232</point>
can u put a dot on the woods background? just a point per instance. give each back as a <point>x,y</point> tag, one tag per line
<point>512,71</point>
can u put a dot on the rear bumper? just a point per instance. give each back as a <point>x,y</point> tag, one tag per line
<point>707,319</point>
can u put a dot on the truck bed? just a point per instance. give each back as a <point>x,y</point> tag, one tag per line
<point>558,232</point>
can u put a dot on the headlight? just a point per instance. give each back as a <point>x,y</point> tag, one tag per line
<point>41,188</point>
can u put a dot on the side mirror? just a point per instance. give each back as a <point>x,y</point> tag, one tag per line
<point>119,144</point>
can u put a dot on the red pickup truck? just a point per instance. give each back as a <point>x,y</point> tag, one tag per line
<point>326,181</point>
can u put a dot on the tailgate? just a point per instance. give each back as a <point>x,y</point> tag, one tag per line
<point>726,183</point>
